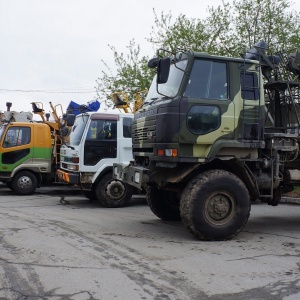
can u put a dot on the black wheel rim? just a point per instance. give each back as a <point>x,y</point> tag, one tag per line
<point>220,207</point>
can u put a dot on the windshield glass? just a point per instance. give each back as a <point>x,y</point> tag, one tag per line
<point>2,128</point>
<point>171,87</point>
<point>77,129</point>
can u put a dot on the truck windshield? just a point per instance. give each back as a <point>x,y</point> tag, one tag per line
<point>2,129</point>
<point>171,87</point>
<point>77,129</point>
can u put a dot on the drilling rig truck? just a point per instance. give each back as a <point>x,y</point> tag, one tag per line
<point>214,134</point>
<point>29,151</point>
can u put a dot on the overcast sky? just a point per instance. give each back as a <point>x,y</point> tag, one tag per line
<point>52,50</point>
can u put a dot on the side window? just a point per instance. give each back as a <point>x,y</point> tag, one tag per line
<point>208,80</point>
<point>127,126</point>
<point>249,86</point>
<point>203,119</point>
<point>17,136</point>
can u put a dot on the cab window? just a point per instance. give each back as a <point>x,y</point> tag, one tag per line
<point>249,86</point>
<point>127,126</point>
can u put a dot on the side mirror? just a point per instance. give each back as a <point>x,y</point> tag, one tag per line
<point>163,70</point>
<point>69,118</point>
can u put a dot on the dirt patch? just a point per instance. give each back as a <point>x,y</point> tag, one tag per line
<point>293,194</point>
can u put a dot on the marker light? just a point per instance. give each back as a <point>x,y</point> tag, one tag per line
<point>136,177</point>
<point>171,152</point>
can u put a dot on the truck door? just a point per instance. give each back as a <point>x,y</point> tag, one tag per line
<point>207,110</point>
<point>101,141</point>
<point>108,140</point>
<point>125,141</point>
<point>252,114</point>
<point>15,147</point>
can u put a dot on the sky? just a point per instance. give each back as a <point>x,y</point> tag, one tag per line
<point>52,50</point>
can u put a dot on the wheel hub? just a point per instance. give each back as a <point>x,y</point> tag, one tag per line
<point>115,190</point>
<point>24,182</point>
<point>220,208</point>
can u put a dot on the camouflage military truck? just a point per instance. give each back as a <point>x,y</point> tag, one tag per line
<point>213,135</point>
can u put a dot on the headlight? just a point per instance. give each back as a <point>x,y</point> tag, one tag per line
<point>72,167</point>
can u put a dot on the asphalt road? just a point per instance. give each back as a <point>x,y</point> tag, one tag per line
<point>82,251</point>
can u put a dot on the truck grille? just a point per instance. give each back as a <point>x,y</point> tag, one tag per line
<point>144,132</point>
<point>143,135</point>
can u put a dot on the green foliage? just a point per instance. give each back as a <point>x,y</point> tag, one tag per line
<point>132,75</point>
<point>268,20</point>
<point>228,30</point>
<point>184,33</point>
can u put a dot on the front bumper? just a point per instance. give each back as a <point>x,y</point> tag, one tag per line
<point>132,175</point>
<point>67,177</point>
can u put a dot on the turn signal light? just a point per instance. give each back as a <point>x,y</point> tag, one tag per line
<point>75,160</point>
<point>160,152</point>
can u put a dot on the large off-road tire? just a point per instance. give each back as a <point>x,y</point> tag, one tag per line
<point>112,193</point>
<point>215,205</point>
<point>164,204</point>
<point>24,183</point>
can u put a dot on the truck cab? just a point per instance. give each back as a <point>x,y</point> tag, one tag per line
<point>97,140</point>
<point>215,134</point>
<point>25,155</point>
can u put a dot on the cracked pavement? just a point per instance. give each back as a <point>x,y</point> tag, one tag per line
<point>83,251</point>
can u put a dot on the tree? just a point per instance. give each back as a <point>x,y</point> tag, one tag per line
<point>132,74</point>
<point>255,20</point>
<point>183,33</point>
<point>228,30</point>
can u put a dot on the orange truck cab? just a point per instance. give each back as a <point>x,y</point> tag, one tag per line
<point>26,156</point>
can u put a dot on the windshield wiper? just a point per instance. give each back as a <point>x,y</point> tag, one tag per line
<point>150,102</point>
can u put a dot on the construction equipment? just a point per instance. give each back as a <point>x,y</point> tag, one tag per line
<point>121,101</point>
<point>214,134</point>
<point>58,126</point>
<point>14,116</point>
<point>29,151</point>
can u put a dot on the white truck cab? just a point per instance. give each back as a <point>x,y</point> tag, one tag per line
<point>97,141</point>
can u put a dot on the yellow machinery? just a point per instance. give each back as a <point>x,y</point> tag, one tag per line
<point>120,100</point>
<point>38,109</point>
<point>56,125</point>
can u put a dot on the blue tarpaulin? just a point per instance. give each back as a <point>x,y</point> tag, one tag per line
<point>76,109</point>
